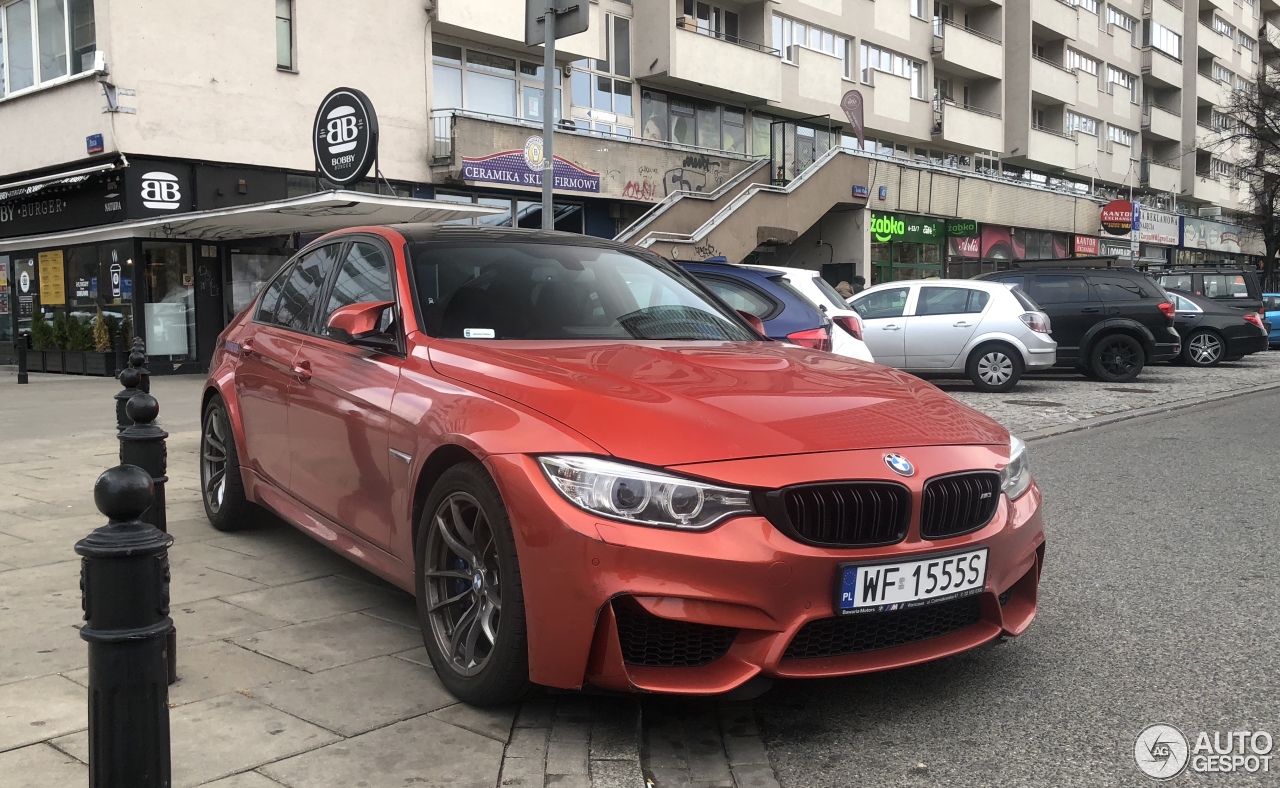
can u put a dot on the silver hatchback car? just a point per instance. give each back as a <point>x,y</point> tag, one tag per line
<point>986,331</point>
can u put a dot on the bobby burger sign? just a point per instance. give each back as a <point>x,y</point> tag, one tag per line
<point>345,136</point>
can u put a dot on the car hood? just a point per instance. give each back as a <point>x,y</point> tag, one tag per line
<point>669,403</point>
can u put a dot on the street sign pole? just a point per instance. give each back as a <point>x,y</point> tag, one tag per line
<point>548,116</point>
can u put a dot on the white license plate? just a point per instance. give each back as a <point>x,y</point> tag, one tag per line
<point>867,588</point>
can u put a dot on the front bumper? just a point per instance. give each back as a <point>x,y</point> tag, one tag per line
<point>581,574</point>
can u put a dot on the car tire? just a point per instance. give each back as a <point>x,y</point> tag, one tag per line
<point>994,367</point>
<point>1203,348</point>
<point>468,588</point>
<point>221,485</point>
<point>1116,358</point>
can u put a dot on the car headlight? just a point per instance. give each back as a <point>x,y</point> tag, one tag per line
<point>642,496</point>
<point>1015,477</point>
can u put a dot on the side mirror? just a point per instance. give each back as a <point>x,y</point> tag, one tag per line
<point>357,324</point>
<point>755,322</point>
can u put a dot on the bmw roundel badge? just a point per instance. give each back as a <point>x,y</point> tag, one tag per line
<point>899,464</point>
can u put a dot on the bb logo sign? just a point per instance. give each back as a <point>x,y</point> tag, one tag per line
<point>345,136</point>
<point>161,190</point>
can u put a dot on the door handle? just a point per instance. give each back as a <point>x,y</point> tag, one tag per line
<point>1090,310</point>
<point>302,371</point>
<point>889,327</point>
<point>961,324</point>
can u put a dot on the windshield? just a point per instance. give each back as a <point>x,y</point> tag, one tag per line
<point>559,291</point>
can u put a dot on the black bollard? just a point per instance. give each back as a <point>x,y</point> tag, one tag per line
<point>22,360</point>
<point>143,444</point>
<point>138,358</point>
<point>124,583</point>
<point>129,379</point>
<point>118,348</point>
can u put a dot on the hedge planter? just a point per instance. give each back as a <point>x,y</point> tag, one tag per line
<point>72,362</point>
<point>53,360</point>
<point>103,364</point>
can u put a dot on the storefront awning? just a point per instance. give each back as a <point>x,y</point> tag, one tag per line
<point>309,214</point>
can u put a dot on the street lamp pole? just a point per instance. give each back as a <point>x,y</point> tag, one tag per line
<point>548,116</point>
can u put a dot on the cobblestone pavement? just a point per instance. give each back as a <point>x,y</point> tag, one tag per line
<point>299,669</point>
<point>1062,397</point>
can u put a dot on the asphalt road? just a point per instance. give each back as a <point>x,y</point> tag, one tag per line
<point>1158,605</point>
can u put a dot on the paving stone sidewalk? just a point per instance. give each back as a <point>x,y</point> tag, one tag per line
<point>296,667</point>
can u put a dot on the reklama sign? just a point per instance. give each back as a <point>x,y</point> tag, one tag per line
<point>1156,227</point>
<point>886,227</point>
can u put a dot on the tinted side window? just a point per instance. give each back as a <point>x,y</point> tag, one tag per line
<point>740,296</point>
<point>1059,288</point>
<point>943,301</point>
<point>363,277</point>
<point>1176,281</point>
<point>1118,289</point>
<point>1025,300</point>
<point>271,298</point>
<point>1225,286</point>
<point>883,303</point>
<point>302,288</point>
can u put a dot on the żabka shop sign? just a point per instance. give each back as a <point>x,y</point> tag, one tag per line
<point>886,227</point>
<point>525,168</point>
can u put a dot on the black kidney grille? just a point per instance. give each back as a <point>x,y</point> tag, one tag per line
<point>848,514</point>
<point>844,635</point>
<point>663,643</point>
<point>959,503</point>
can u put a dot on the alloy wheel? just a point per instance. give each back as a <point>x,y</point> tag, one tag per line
<point>1204,349</point>
<point>1119,357</point>
<point>463,594</point>
<point>995,368</point>
<point>213,460</point>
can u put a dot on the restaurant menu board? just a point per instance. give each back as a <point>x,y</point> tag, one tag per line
<point>53,291</point>
<point>4,284</point>
<point>24,277</point>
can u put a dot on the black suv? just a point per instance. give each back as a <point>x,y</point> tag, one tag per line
<point>1230,286</point>
<point>1109,323</point>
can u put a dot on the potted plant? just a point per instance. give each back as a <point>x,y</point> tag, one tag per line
<point>101,361</point>
<point>41,341</point>
<point>79,342</point>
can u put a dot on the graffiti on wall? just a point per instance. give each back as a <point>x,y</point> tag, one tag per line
<point>644,186</point>
<point>696,174</point>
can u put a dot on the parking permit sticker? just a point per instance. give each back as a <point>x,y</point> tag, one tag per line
<point>478,333</point>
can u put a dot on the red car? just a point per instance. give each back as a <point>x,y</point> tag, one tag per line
<point>590,470</point>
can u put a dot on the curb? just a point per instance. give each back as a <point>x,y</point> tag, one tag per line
<point>574,740</point>
<point>1152,410</point>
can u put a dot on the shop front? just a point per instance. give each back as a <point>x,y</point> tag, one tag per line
<point>905,247</point>
<point>991,247</point>
<point>1206,242</point>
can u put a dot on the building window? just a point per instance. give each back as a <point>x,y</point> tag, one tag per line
<point>1223,28</point>
<point>479,81</point>
<point>1120,135</point>
<point>44,40</point>
<point>1162,38</point>
<point>1223,74</point>
<point>789,34</point>
<point>1077,122</point>
<point>1221,169</point>
<point>1089,5</point>
<point>1083,62</point>
<point>284,34</point>
<point>604,103</point>
<point>1246,42</point>
<point>1124,22</point>
<point>917,9</point>
<point>697,123</point>
<point>876,59</point>
<point>1125,80</point>
<point>711,20</point>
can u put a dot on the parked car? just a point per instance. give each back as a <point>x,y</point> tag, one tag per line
<point>1109,323</point>
<point>1212,333</point>
<point>983,330</point>
<point>1271,303</point>
<point>589,471</point>
<point>1235,287</point>
<point>846,334</point>
<point>786,314</point>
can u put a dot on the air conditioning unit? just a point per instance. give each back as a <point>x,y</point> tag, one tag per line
<point>1210,210</point>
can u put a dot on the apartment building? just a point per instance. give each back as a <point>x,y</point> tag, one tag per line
<point>887,138</point>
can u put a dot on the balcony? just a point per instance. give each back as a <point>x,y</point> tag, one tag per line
<point>1058,16</point>
<point>1160,68</point>
<point>1211,42</point>
<point>1051,147</point>
<point>1051,82</point>
<point>967,52</point>
<point>1161,177</point>
<point>1207,138</point>
<point>813,84</point>
<point>501,23</point>
<point>1161,123</point>
<point>967,126</point>
<point>679,55</point>
<point>1211,90</point>
<point>1215,191</point>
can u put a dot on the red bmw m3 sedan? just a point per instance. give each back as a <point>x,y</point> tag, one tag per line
<point>590,470</point>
